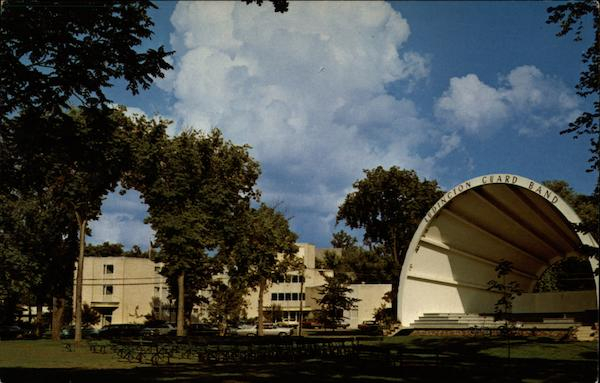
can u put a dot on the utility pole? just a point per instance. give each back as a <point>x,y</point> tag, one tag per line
<point>301,318</point>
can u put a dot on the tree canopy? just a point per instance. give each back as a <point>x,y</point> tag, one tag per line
<point>572,18</point>
<point>334,300</point>
<point>389,205</point>
<point>263,249</point>
<point>194,184</point>
<point>53,53</point>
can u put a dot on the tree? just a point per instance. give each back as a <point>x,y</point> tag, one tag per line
<point>571,17</point>
<point>55,53</point>
<point>343,240</point>
<point>66,162</point>
<point>389,205</point>
<point>334,300</point>
<point>279,5</point>
<point>227,305</point>
<point>508,292</point>
<point>357,263</point>
<point>89,316</point>
<point>262,250</point>
<point>193,184</point>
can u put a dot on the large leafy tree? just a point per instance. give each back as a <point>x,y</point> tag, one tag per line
<point>572,17</point>
<point>262,250</point>
<point>64,163</point>
<point>389,205</point>
<point>193,185</point>
<point>55,53</point>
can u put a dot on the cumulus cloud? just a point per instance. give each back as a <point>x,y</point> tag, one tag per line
<point>305,89</point>
<point>122,222</point>
<point>526,98</point>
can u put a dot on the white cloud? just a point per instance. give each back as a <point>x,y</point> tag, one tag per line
<point>306,89</point>
<point>122,221</point>
<point>121,228</point>
<point>527,99</point>
<point>471,104</point>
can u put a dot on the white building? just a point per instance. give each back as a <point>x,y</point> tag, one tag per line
<point>126,290</point>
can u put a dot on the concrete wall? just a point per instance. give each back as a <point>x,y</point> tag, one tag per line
<point>555,302</point>
<point>371,299</point>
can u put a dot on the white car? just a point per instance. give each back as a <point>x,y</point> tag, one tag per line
<point>268,329</point>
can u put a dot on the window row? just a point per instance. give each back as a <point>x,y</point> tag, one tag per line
<point>287,296</point>
<point>290,279</point>
<point>110,269</point>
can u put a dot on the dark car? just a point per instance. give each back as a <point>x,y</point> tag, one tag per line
<point>68,332</point>
<point>10,332</point>
<point>121,331</point>
<point>202,329</point>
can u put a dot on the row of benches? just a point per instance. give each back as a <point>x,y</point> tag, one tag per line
<point>163,351</point>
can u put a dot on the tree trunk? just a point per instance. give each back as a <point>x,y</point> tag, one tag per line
<point>223,326</point>
<point>180,304</point>
<point>261,318</point>
<point>38,318</point>
<point>79,286</point>
<point>58,308</point>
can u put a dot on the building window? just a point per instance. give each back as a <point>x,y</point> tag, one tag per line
<point>109,269</point>
<point>156,291</point>
<point>273,296</point>
<point>281,297</point>
<point>303,297</point>
<point>294,296</point>
<point>295,279</point>
<point>157,269</point>
<point>107,289</point>
<point>288,296</point>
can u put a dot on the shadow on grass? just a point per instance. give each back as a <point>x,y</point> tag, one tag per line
<point>482,370</point>
<point>414,360</point>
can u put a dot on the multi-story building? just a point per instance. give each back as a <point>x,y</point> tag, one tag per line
<point>127,290</point>
<point>123,289</point>
<point>286,295</point>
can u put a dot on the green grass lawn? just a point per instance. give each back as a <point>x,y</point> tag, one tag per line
<point>462,359</point>
<point>45,353</point>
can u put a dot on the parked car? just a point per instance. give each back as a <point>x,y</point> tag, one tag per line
<point>68,332</point>
<point>202,329</point>
<point>309,324</point>
<point>10,332</point>
<point>268,329</point>
<point>121,330</point>
<point>370,326</point>
<point>159,328</point>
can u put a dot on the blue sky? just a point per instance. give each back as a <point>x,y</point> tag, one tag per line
<point>451,89</point>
